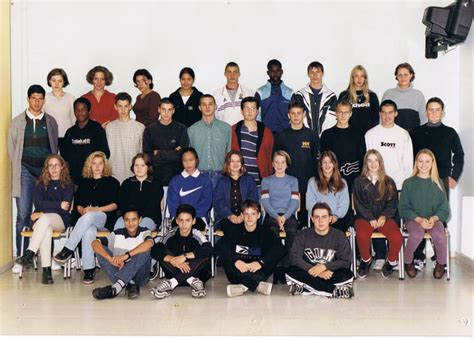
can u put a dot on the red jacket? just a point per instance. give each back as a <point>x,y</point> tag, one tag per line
<point>264,147</point>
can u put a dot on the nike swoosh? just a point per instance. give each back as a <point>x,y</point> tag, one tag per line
<point>184,193</point>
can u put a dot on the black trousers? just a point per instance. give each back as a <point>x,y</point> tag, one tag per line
<point>200,268</point>
<point>249,279</point>
<point>319,284</point>
<point>291,227</point>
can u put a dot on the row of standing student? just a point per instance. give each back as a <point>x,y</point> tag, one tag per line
<point>423,205</point>
<point>273,98</point>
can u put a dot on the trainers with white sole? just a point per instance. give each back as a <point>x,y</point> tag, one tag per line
<point>16,269</point>
<point>163,289</point>
<point>265,288</point>
<point>197,287</point>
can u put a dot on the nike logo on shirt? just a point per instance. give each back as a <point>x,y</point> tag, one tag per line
<point>184,193</point>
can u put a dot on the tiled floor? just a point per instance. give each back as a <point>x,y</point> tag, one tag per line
<point>420,306</point>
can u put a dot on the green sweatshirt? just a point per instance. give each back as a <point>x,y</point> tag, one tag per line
<point>422,198</point>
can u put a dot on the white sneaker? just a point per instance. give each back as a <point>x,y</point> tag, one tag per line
<point>378,265</point>
<point>16,268</point>
<point>264,288</point>
<point>55,266</point>
<point>234,290</point>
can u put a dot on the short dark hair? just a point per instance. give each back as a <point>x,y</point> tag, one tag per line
<point>85,101</point>
<point>232,64</point>
<point>343,102</point>
<point>109,77</point>
<point>207,96</point>
<point>316,65</point>
<point>296,104</point>
<point>166,100</point>
<point>388,102</point>
<point>190,150</point>
<point>186,208</point>
<point>146,158</point>
<point>123,96</point>
<point>249,99</point>
<point>249,203</point>
<point>405,66</point>
<point>145,73</point>
<point>272,62</point>
<point>186,70</point>
<point>321,206</point>
<point>435,100</point>
<point>131,208</point>
<point>57,72</point>
<point>36,89</point>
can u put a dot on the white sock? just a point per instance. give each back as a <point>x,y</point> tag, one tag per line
<point>190,280</point>
<point>118,286</point>
<point>174,283</point>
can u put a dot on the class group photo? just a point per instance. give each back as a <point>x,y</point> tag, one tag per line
<point>237,168</point>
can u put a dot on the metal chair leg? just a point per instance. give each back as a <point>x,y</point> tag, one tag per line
<point>448,251</point>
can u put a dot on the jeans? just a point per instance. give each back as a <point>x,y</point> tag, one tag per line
<point>213,176</point>
<point>137,269</point>
<point>146,222</point>
<point>24,205</point>
<point>85,230</point>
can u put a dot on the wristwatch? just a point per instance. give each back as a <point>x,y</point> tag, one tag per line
<point>129,256</point>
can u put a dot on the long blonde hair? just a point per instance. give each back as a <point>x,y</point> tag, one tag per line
<point>434,175</point>
<point>87,169</point>
<point>351,89</point>
<point>64,178</point>
<point>385,186</point>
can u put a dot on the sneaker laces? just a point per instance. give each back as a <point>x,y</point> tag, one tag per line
<point>197,284</point>
<point>296,289</point>
<point>343,291</point>
<point>164,286</point>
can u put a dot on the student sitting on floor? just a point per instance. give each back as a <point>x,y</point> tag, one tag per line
<point>249,253</point>
<point>125,256</point>
<point>184,255</point>
<point>320,259</point>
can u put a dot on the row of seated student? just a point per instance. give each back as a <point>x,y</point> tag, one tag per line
<point>165,139</point>
<point>315,260</point>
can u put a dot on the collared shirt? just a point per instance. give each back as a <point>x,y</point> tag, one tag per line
<point>195,174</point>
<point>212,142</point>
<point>34,118</point>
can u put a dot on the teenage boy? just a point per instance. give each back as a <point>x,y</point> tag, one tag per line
<point>125,256</point>
<point>249,253</point>
<point>211,138</point>
<point>395,145</point>
<point>321,259</point>
<point>32,136</point>
<point>184,255</point>
<point>254,141</point>
<point>443,141</point>
<point>83,138</point>
<point>318,99</point>
<point>125,137</point>
<point>163,141</point>
<point>273,99</point>
<point>302,144</point>
<point>346,142</point>
<point>228,97</point>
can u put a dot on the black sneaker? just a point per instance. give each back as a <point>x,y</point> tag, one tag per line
<point>47,277</point>
<point>387,269</point>
<point>27,260</point>
<point>154,272</point>
<point>419,264</point>
<point>88,276</point>
<point>364,269</point>
<point>63,256</point>
<point>105,292</point>
<point>343,291</point>
<point>133,291</point>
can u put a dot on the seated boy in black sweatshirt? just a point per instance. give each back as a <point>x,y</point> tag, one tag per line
<point>184,255</point>
<point>320,259</point>
<point>249,253</point>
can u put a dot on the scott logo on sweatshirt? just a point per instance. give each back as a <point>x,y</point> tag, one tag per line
<point>387,144</point>
<point>319,256</point>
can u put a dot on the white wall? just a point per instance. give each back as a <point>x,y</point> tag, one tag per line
<point>164,36</point>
